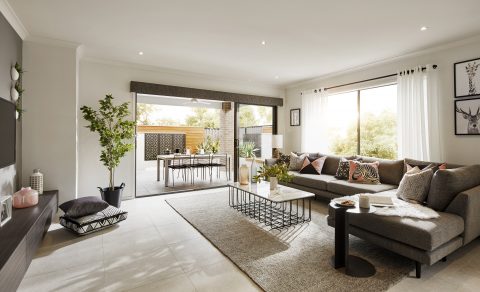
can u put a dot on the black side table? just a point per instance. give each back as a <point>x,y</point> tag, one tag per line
<point>354,266</point>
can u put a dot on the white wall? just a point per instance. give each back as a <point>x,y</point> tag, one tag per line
<point>458,149</point>
<point>49,123</point>
<point>98,78</point>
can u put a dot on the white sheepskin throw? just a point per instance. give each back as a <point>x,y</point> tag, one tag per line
<point>402,209</point>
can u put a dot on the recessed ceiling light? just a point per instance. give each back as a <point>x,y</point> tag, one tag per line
<point>277,77</point>
<point>423,28</point>
<point>263,43</point>
<point>140,53</point>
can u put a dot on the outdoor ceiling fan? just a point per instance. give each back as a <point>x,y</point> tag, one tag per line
<point>196,101</point>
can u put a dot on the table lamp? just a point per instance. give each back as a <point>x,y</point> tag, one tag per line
<point>277,143</point>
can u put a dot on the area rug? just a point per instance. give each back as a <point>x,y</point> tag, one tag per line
<point>294,259</point>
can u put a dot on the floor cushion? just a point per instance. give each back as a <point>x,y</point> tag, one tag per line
<point>95,222</point>
<point>347,188</point>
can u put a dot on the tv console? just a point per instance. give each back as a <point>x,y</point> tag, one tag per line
<point>21,236</point>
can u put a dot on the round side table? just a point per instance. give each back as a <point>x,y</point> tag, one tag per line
<point>354,266</point>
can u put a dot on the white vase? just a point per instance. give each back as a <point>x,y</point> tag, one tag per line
<point>14,74</point>
<point>273,183</point>
<point>17,115</point>
<point>14,93</point>
<point>253,169</point>
<point>244,175</point>
<point>36,181</point>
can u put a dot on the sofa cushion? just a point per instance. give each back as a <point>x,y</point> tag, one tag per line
<point>391,171</point>
<point>296,161</point>
<point>312,166</point>
<point>331,163</point>
<point>415,185</point>
<point>347,188</point>
<point>448,183</point>
<point>312,180</point>
<point>365,173</point>
<point>344,168</point>
<point>423,234</point>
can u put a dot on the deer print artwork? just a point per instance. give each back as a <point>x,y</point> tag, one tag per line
<point>472,127</point>
<point>471,70</point>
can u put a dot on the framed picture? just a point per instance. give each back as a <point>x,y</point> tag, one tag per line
<point>467,78</point>
<point>467,114</point>
<point>295,117</point>
<point>5,209</point>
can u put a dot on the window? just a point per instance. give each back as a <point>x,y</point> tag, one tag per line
<point>364,122</point>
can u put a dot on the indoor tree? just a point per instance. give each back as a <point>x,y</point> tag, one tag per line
<point>116,132</point>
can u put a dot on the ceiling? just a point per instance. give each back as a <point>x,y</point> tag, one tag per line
<point>222,38</point>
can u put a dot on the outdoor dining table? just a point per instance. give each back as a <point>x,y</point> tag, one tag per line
<point>167,158</point>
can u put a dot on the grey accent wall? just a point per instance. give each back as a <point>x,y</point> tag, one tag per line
<point>10,52</point>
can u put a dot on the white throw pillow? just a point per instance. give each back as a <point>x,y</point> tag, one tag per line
<point>414,187</point>
<point>296,161</point>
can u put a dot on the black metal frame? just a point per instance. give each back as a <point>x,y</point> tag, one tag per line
<point>299,117</point>
<point>455,116</point>
<point>455,79</point>
<point>277,215</point>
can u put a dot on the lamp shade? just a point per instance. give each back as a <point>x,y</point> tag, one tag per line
<point>277,141</point>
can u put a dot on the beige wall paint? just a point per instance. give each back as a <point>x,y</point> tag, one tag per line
<point>458,149</point>
<point>98,78</point>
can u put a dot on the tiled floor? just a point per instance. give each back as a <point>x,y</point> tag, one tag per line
<point>147,183</point>
<point>157,250</point>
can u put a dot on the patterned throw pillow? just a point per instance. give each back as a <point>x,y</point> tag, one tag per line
<point>414,187</point>
<point>344,167</point>
<point>296,161</point>
<point>364,173</point>
<point>283,159</point>
<point>313,166</point>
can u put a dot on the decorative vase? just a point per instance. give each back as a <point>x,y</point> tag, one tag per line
<point>14,74</point>
<point>273,183</point>
<point>253,169</point>
<point>112,197</point>
<point>202,151</point>
<point>36,181</point>
<point>244,174</point>
<point>14,93</point>
<point>17,115</point>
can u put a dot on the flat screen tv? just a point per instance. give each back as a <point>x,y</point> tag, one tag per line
<point>7,132</point>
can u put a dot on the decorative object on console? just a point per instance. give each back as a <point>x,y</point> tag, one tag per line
<point>313,165</point>
<point>467,79</point>
<point>244,174</point>
<point>467,116</point>
<point>116,133</point>
<point>5,209</point>
<point>36,181</point>
<point>24,198</point>
<point>295,117</point>
<point>365,173</point>
<point>277,143</point>
<point>83,206</point>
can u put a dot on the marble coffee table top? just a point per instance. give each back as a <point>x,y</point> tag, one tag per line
<point>281,194</point>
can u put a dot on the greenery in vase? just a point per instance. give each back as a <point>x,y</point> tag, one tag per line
<point>212,146</point>
<point>247,150</point>
<point>115,130</point>
<point>277,170</point>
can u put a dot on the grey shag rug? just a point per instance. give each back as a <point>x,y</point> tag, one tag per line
<point>294,259</point>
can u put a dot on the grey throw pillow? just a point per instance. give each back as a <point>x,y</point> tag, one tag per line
<point>296,161</point>
<point>83,206</point>
<point>414,187</point>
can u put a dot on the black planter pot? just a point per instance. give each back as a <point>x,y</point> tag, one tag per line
<point>114,197</point>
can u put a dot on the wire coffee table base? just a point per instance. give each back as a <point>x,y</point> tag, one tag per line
<point>277,215</point>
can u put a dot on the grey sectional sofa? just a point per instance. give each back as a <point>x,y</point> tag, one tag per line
<point>454,194</point>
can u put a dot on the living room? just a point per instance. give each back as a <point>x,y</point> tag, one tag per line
<point>324,105</point>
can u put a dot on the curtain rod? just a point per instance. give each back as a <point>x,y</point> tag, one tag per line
<point>371,79</point>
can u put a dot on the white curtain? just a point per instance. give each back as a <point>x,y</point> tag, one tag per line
<point>418,115</point>
<point>314,121</point>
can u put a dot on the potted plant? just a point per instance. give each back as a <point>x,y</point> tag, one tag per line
<point>116,132</point>
<point>212,146</point>
<point>274,174</point>
<point>247,150</point>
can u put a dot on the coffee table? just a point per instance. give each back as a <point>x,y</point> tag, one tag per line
<point>278,209</point>
<point>354,266</point>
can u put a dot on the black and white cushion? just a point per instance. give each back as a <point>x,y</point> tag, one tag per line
<point>95,222</point>
<point>415,185</point>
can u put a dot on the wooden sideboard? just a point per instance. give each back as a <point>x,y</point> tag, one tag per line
<point>21,237</point>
